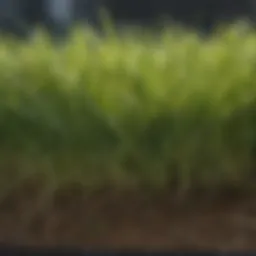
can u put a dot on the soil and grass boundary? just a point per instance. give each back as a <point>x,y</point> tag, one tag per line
<point>129,141</point>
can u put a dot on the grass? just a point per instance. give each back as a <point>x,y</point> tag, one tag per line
<point>130,111</point>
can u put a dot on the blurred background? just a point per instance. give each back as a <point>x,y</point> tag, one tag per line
<point>20,17</point>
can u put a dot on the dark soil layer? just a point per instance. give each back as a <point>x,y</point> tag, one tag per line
<point>128,220</point>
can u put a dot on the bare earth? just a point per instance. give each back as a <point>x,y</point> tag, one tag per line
<point>128,220</point>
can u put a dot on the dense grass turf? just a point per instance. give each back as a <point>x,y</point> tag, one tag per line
<point>131,111</point>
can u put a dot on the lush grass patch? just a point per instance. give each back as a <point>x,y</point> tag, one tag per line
<point>131,111</point>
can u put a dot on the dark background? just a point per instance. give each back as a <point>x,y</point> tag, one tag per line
<point>19,17</point>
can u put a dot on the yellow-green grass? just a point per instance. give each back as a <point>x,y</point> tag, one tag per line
<point>130,111</point>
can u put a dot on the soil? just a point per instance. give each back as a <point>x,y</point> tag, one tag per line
<point>128,220</point>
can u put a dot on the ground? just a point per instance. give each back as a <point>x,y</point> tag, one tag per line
<point>129,220</point>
